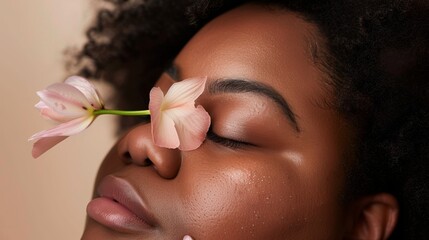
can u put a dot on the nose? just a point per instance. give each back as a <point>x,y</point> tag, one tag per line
<point>138,148</point>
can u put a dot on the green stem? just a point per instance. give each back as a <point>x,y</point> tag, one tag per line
<point>122,112</point>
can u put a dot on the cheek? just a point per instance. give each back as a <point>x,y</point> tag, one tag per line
<point>246,199</point>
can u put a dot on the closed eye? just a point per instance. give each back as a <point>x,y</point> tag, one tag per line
<point>226,142</point>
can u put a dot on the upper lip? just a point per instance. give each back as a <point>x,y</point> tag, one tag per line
<point>121,191</point>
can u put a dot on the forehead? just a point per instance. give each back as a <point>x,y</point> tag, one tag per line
<point>254,42</point>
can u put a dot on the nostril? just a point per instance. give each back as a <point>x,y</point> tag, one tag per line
<point>147,162</point>
<point>127,158</point>
<point>127,155</point>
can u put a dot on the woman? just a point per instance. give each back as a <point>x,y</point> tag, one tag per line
<point>319,120</point>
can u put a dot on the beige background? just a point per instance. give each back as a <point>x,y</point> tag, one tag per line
<point>42,198</point>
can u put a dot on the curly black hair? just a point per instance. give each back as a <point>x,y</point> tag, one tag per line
<point>375,53</point>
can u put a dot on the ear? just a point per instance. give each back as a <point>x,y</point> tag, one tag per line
<point>372,217</point>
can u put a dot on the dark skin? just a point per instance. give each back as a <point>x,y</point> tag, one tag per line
<point>280,175</point>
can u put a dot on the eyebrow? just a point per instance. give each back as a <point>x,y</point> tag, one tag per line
<point>247,86</point>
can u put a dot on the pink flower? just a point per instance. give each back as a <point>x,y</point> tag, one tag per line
<point>176,122</point>
<point>72,104</point>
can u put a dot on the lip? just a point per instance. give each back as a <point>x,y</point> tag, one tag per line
<point>120,207</point>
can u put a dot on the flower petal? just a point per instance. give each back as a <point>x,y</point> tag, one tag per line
<point>41,105</point>
<point>163,131</point>
<point>175,120</point>
<point>87,89</point>
<point>183,92</point>
<point>191,125</point>
<point>65,99</point>
<point>50,114</point>
<point>64,129</point>
<point>44,144</point>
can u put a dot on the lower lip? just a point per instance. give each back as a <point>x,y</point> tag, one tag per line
<point>115,216</point>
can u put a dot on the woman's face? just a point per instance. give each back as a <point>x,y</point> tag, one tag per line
<point>273,165</point>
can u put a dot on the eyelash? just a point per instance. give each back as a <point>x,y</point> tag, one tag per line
<point>229,143</point>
